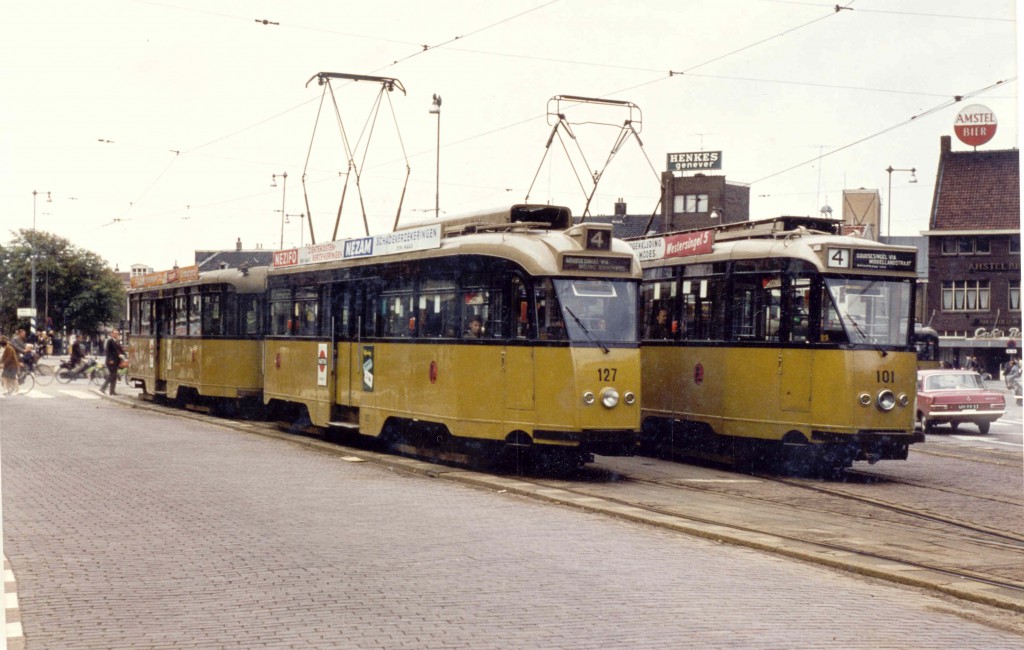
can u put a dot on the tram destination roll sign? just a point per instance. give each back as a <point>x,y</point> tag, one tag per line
<point>694,161</point>
<point>871,259</point>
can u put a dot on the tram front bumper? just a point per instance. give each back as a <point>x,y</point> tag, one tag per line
<point>604,442</point>
<point>872,445</point>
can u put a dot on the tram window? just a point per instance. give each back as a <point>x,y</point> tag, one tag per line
<point>305,317</point>
<point>438,309</point>
<point>249,313</point>
<point>166,311</point>
<point>755,307</point>
<point>195,311</point>
<point>703,311</point>
<point>659,309</point>
<point>476,304</point>
<point>523,322</point>
<point>398,314</point>
<point>551,327</point>
<point>180,315</point>
<point>831,324</point>
<point>280,311</point>
<point>213,324</point>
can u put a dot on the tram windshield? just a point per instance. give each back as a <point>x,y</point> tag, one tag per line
<point>598,310</point>
<point>872,311</point>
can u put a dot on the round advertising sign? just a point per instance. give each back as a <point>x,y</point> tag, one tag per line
<point>975,125</point>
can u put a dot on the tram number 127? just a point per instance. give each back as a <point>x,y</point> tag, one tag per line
<point>606,374</point>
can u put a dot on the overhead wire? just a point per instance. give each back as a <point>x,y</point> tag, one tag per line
<point>671,74</point>
<point>956,99</point>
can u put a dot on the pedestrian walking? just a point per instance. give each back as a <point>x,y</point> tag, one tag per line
<point>114,353</point>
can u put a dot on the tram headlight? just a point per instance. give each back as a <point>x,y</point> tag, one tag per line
<point>886,400</point>
<point>609,397</point>
<point>629,397</point>
<point>864,399</point>
<point>904,399</point>
<point>588,397</point>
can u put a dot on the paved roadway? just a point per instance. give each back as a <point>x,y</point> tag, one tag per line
<point>130,529</point>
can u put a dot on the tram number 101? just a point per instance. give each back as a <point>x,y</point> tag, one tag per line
<point>606,374</point>
<point>885,376</point>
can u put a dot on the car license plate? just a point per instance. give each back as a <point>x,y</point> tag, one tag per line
<point>968,407</point>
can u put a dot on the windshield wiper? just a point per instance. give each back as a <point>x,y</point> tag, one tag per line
<point>586,331</point>
<point>864,335</point>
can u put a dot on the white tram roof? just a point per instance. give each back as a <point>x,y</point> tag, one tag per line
<point>244,279</point>
<point>800,243</point>
<point>535,237</point>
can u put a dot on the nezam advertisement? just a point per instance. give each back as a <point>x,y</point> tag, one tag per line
<point>681,245</point>
<point>402,241</point>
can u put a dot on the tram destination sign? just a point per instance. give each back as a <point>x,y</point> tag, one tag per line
<point>869,259</point>
<point>594,264</point>
<point>391,243</point>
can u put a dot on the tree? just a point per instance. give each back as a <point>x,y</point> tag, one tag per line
<point>74,287</point>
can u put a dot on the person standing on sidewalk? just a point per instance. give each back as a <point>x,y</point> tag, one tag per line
<point>10,365</point>
<point>114,352</point>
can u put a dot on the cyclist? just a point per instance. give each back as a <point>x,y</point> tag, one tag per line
<point>77,355</point>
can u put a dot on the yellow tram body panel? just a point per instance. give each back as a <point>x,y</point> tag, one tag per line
<point>476,391</point>
<point>225,368</point>
<point>796,390</point>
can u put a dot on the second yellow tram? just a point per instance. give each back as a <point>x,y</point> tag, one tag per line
<point>778,344</point>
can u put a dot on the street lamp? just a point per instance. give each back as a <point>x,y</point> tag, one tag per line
<point>49,199</point>
<point>435,109</point>
<point>284,189</point>
<point>913,179</point>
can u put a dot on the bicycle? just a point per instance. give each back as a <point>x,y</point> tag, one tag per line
<point>26,380</point>
<point>44,374</point>
<point>99,375</point>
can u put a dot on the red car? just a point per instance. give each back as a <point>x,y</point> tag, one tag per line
<point>955,396</point>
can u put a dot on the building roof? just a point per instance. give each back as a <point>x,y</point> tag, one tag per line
<point>976,190</point>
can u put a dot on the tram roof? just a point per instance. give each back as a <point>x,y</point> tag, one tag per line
<point>800,243</point>
<point>243,279</point>
<point>535,236</point>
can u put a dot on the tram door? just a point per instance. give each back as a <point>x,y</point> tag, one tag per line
<point>162,322</point>
<point>517,357</point>
<point>343,346</point>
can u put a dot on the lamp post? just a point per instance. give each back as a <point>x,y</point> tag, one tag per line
<point>284,189</point>
<point>49,199</point>
<point>435,109</point>
<point>913,179</point>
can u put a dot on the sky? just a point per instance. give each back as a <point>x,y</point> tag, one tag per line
<point>151,129</point>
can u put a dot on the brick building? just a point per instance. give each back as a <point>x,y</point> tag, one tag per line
<point>974,258</point>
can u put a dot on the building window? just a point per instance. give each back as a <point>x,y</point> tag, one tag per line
<point>1013,295</point>
<point>690,203</point>
<point>967,245</point>
<point>965,295</point>
<point>1015,244</point>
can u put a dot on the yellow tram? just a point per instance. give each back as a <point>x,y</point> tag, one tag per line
<point>776,342</point>
<point>195,338</point>
<point>511,327</point>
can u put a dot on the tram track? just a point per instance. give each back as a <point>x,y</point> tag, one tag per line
<point>959,574</point>
<point>1018,540</point>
